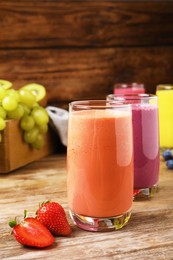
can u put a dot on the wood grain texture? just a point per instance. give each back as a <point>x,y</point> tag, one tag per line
<point>78,49</point>
<point>15,152</point>
<point>73,74</point>
<point>85,23</point>
<point>148,235</point>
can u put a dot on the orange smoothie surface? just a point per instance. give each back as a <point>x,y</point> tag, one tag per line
<point>100,162</point>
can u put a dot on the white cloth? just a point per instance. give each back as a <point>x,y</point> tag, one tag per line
<point>59,121</point>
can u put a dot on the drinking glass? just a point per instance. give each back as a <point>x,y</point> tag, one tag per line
<point>165,101</point>
<point>129,88</point>
<point>100,164</point>
<point>146,141</point>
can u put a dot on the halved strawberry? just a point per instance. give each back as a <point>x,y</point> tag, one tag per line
<point>52,215</point>
<point>32,233</point>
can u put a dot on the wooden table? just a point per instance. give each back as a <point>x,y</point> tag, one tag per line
<point>148,235</point>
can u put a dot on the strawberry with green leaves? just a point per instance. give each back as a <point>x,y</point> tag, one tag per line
<point>30,232</point>
<point>52,215</point>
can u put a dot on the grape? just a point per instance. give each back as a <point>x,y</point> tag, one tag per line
<point>31,135</point>
<point>27,98</point>
<point>26,109</point>
<point>3,113</point>
<point>40,116</point>
<point>39,142</point>
<point>13,93</point>
<point>2,124</point>
<point>2,93</point>
<point>16,113</point>
<point>9,103</point>
<point>43,128</point>
<point>27,123</point>
<point>35,105</point>
<point>23,105</point>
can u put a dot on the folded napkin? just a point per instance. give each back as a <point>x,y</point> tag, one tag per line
<point>59,121</point>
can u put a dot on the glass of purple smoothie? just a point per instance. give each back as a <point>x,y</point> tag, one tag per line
<point>146,141</point>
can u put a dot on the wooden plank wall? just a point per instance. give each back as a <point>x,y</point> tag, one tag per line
<point>78,49</point>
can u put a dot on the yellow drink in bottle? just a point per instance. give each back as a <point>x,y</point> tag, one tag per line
<point>165,102</point>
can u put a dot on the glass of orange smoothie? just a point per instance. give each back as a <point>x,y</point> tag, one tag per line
<point>100,164</point>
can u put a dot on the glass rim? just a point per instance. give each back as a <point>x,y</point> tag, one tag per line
<point>97,104</point>
<point>164,87</point>
<point>142,96</point>
<point>129,85</point>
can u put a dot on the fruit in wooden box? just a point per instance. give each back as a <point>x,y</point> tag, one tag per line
<point>25,135</point>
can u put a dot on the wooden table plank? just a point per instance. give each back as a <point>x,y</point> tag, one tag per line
<point>148,235</point>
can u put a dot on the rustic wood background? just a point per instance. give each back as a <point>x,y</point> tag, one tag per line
<point>78,49</point>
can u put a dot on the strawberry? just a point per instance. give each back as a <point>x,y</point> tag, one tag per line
<point>53,216</point>
<point>32,233</point>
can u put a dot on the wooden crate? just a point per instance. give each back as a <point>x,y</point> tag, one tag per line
<point>14,152</point>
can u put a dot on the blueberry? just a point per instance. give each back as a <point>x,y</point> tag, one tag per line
<point>167,155</point>
<point>169,164</point>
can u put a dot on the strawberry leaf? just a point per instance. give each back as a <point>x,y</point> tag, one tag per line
<point>12,223</point>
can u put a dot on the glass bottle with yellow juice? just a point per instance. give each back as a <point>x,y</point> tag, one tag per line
<point>165,102</point>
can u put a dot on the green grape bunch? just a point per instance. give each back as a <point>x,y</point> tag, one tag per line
<point>23,105</point>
